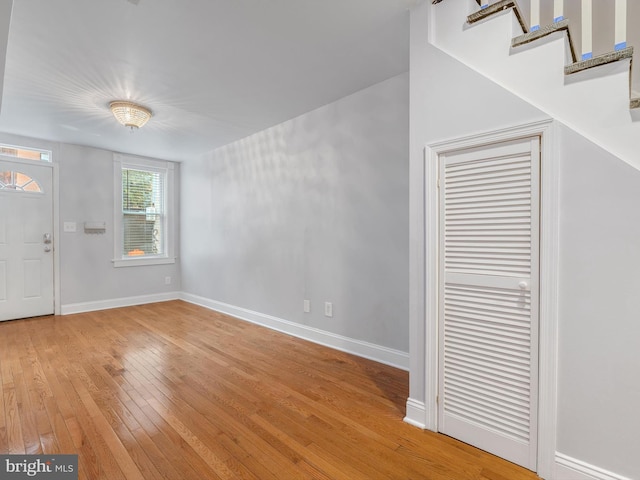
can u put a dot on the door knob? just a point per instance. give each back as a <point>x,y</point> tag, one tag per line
<point>46,238</point>
<point>47,248</point>
<point>523,285</point>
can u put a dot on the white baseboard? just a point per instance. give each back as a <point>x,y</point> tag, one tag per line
<point>416,414</point>
<point>117,303</point>
<point>388,356</point>
<point>568,468</point>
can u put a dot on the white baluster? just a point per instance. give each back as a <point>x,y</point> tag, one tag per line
<point>587,30</point>
<point>535,15</point>
<point>621,24</point>
<point>558,10</point>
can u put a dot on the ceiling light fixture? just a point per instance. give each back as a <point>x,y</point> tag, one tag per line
<point>129,114</point>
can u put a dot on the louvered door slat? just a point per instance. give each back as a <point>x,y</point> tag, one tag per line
<point>491,353</point>
<point>496,394</point>
<point>491,193</point>
<point>471,167</point>
<point>486,331</point>
<point>498,171</point>
<point>485,310</point>
<point>504,199</point>
<point>488,384</point>
<point>496,409</point>
<point>507,182</point>
<point>488,310</point>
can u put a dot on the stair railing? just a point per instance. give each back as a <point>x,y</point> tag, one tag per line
<point>587,30</point>
<point>621,25</point>
<point>558,10</point>
<point>620,41</point>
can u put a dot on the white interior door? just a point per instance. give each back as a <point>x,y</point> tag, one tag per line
<point>488,298</point>
<point>26,240</point>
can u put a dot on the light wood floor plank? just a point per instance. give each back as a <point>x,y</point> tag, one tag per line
<point>172,391</point>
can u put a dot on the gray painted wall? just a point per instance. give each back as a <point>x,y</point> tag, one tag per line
<point>599,329</point>
<point>599,360</point>
<point>87,272</point>
<point>315,208</point>
<point>85,193</point>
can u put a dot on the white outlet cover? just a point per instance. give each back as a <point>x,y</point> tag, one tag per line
<point>70,227</point>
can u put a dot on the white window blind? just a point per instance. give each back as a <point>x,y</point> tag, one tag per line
<point>143,213</point>
<point>144,209</point>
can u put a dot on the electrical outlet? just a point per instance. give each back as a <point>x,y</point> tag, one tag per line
<point>167,280</point>
<point>328,309</point>
<point>307,306</point>
<point>69,227</point>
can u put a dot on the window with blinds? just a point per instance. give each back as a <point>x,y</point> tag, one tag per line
<point>143,212</point>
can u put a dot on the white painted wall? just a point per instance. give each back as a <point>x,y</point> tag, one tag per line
<point>87,278</point>
<point>315,208</point>
<point>598,392</point>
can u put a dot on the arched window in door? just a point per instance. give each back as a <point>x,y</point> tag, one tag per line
<point>19,182</point>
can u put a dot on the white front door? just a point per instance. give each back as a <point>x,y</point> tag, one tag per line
<point>26,240</point>
<point>488,297</point>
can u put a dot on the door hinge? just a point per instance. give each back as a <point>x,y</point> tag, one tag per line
<point>438,183</point>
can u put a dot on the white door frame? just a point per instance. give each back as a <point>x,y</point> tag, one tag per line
<point>57,307</point>
<point>424,280</point>
<point>56,213</point>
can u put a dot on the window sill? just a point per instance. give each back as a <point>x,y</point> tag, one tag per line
<point>139,262</point>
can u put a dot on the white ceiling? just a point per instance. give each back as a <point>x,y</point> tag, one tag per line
<point>212,71</point>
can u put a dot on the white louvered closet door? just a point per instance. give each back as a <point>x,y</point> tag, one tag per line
<point>488,326</point>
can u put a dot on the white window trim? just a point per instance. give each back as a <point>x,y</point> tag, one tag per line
<point>31,149</point>
<point>121,161</point>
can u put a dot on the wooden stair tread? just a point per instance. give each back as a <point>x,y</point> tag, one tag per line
<point>498,7</point>
<point>562,26</point>
<point>599,60</point>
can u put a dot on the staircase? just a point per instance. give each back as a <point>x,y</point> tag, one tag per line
<point>591,94</point>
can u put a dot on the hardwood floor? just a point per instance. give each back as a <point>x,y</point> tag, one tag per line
<point>175,391</point>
